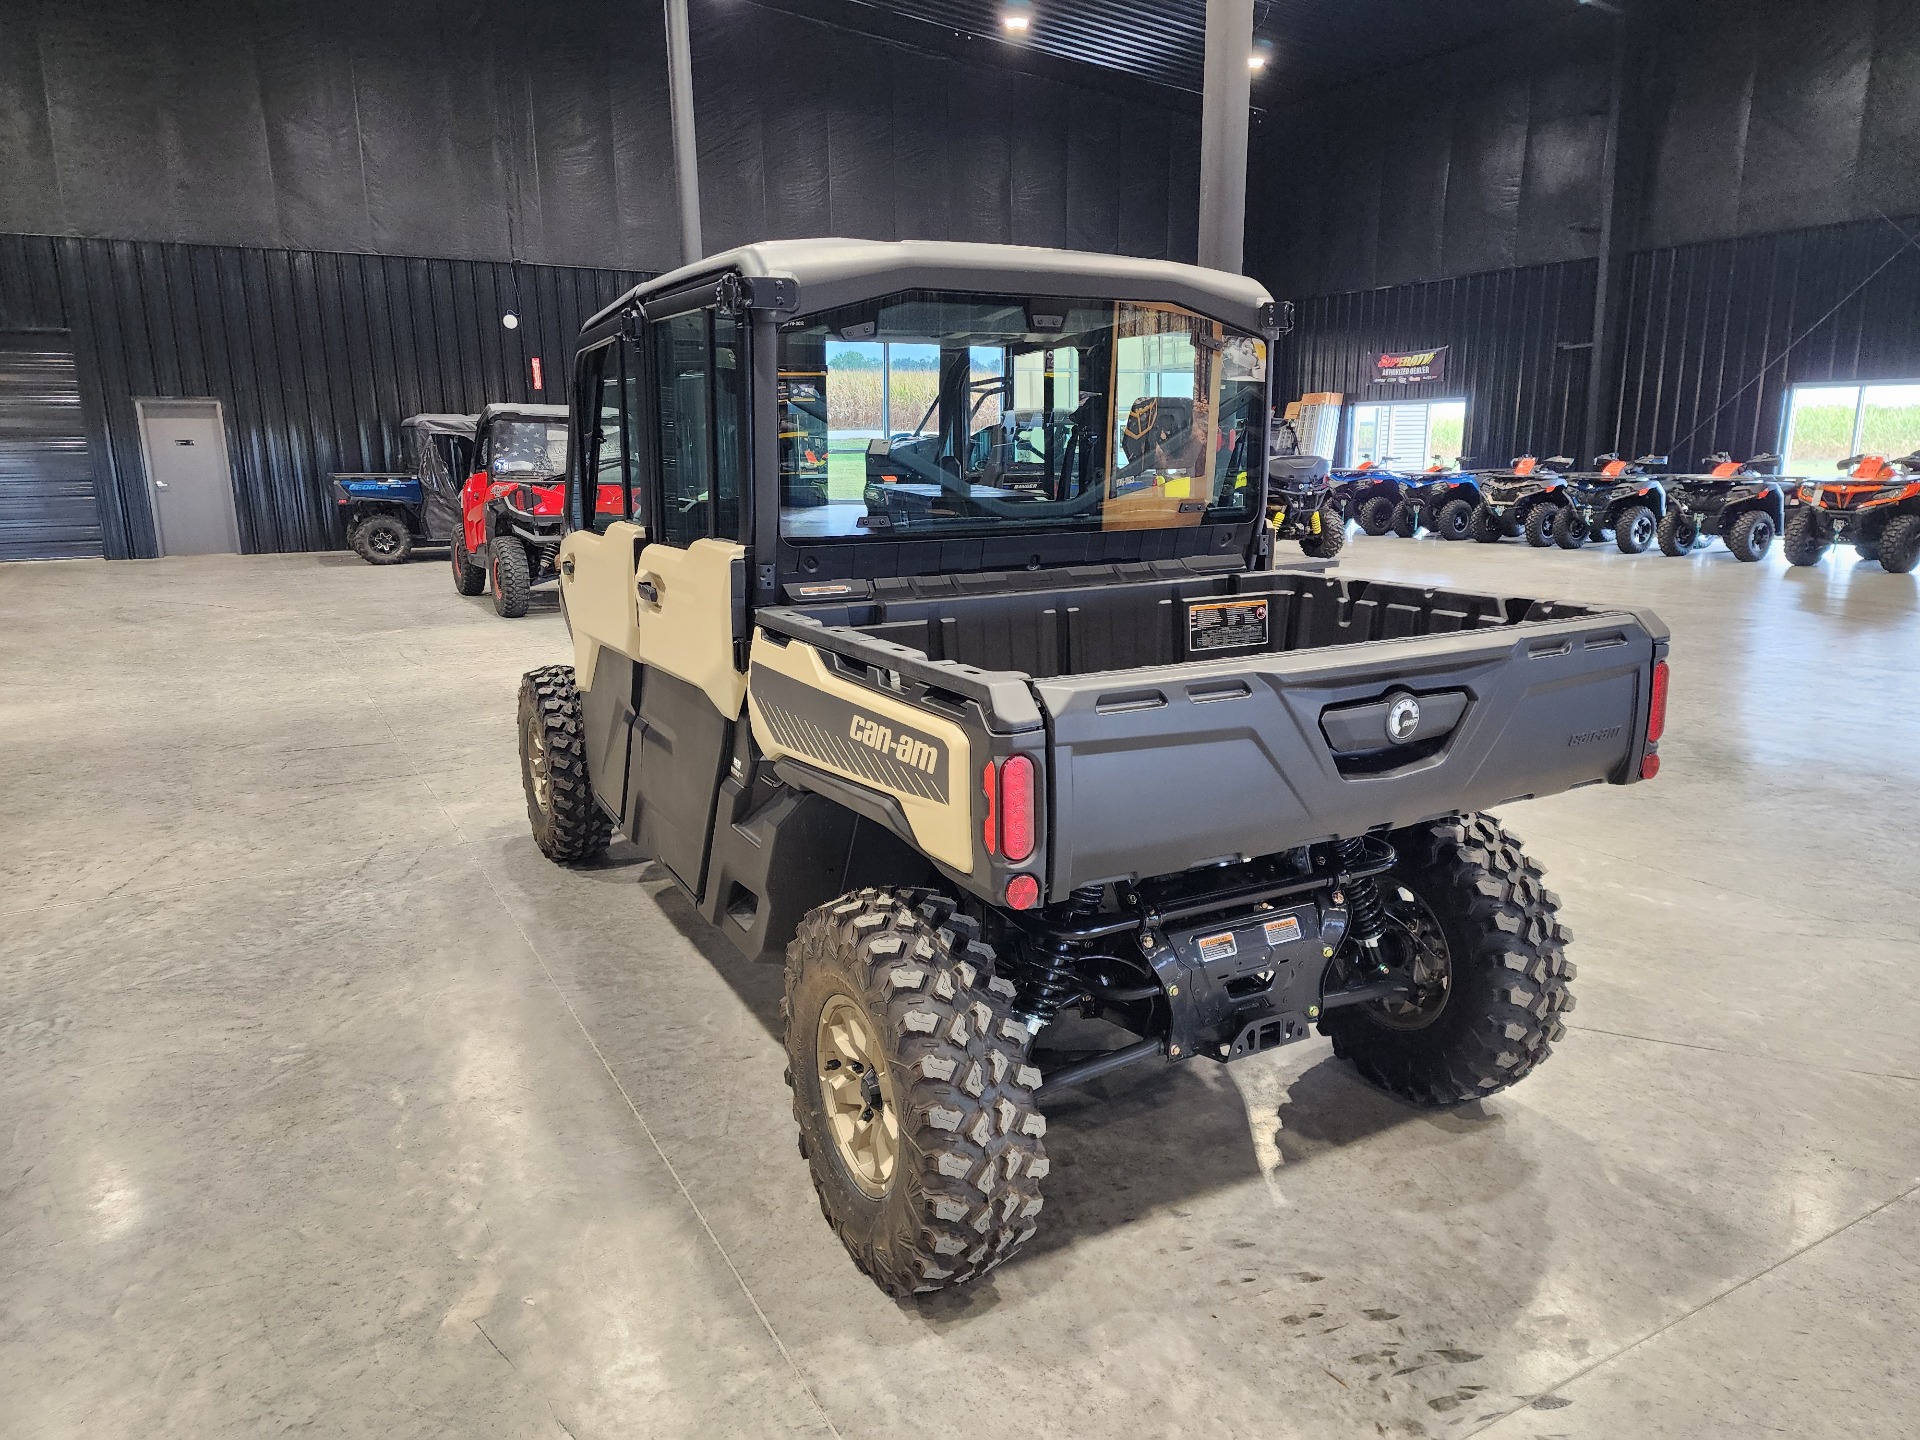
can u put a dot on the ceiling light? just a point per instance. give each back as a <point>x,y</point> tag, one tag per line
<point>1261,53</point>
<point>1016,17</point>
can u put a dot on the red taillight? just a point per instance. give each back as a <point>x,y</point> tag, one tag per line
<point>1657,712</point>
<point>1016,808</point>
<point>1023,892</point>
<point>1649,764</point>
<point>990,827</point>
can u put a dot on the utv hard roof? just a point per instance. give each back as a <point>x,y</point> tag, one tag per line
<point>513,410</point>
<point>829,273</point>
<point>442,424</point>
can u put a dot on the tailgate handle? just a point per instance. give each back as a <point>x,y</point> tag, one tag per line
<point>1121,702</point>
<point>1390,725</point>
<point>1219,690</point>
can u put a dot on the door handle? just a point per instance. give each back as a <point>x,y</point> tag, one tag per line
<point>649,589</point>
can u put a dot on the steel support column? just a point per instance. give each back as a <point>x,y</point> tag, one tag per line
<point>1223,134</point>
<point>686,157</point>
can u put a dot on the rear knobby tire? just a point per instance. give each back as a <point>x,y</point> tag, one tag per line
<point>1454,520</point>
<point>1332,537</point>
<point>512,577</point>
<point>1635,529</point>
<point>1539,526</point>
<point>382,540</point>
<point>1803,543</point>
<point>1484,526</point>
<point>1750,536</point>
<point>1509,972</point>
<point>1900,544</point>
<point>468,578</point>
<point>964,1185</point>
<point>1376,515</point>
<point>568,824</point>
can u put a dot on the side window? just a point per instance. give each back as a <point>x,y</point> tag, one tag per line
<point>684,391</point>
<point>609,475</point>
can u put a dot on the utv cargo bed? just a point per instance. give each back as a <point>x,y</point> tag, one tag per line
<point>1194,718</point>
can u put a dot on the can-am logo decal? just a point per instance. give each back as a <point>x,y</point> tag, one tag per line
<point>906,747</point>
<point>1587,737</point>
<point>818,725</point>
<point>1410,366</point>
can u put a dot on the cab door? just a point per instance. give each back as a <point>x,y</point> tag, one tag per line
<point>598,557</point>
<point>690,588</point>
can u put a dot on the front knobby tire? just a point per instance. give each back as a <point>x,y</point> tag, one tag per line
<point>512,578</point>
<point>1376,516</point>
<point>1507,970</point>
<point>1406,520</point>
<point>1679,533</point>
<point>1804,543</point>
<point>1635,529</point>
<point>1454,522</point>
<point>382,540</point>
<point>1539,526</point>
<point>1750,536</point>
<point>906,988</point>
<point>1332,538</point>
<point>1484,526</point>
<point>568,824</point>
<point>1900,544</point>
<point>1569,529</point>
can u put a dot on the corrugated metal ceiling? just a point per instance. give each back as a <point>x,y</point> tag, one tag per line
<point>1316,43</point>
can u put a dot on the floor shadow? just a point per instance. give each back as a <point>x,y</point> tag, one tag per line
<point>1151,1138</point>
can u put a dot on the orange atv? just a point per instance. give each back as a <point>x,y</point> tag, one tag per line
<point>1876,509</point>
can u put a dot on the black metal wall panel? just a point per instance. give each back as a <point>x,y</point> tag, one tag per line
<point>1715,334</point>
<point>1745,117</point>
<point>1510,331</point>
<point>315,356</point>
<point>479,129</point>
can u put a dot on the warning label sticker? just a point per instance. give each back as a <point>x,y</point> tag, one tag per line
<point>1283,931</point>
<point>1226,625</point>
<point>1217,947</point>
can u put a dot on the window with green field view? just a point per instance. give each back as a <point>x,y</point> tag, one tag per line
<point>1409,435</point>
<point>1827,424</point>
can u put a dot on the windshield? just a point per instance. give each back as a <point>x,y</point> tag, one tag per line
<point>935,412</point>
<point>529,447</point>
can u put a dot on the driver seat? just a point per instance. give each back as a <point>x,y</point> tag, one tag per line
<point>1154,424</point>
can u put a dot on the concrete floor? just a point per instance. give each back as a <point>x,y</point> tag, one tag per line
<point>327,1105</point>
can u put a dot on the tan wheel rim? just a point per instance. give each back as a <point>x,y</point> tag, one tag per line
<point>856,1091</point>
<point>537,768</point>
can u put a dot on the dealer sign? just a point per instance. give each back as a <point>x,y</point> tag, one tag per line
<point>1411,367</point>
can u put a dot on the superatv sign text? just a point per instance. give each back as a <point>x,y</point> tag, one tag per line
<point>907,749</point>
<point>1411,366</point>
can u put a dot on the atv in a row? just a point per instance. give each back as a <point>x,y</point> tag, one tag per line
<point>1875,508</point>
<point>1627,501</point>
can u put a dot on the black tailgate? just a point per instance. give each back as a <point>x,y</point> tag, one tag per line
<point>1158,770</point>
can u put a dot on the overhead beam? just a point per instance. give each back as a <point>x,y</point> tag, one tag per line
<point>1227,91</point>
<point>686,155</point>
